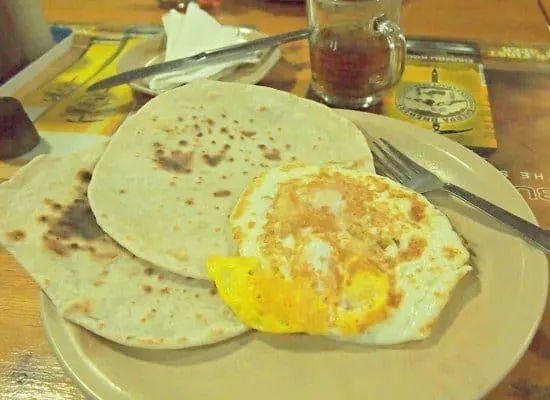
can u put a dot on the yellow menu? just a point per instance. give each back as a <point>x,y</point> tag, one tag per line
<point>446,94</point>
<point>69,108</point>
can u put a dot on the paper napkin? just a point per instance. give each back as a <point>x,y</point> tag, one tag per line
<point>191,33</point>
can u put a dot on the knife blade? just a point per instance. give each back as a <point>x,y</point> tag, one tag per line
<point>206,57</point>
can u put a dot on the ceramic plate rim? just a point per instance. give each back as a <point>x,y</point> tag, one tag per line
<point>442,143</point>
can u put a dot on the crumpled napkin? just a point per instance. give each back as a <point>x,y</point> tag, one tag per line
<point>191,33</point>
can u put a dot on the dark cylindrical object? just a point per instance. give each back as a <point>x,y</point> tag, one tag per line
<point>17,132</point>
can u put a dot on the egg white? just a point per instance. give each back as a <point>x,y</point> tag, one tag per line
<point>424,283</point>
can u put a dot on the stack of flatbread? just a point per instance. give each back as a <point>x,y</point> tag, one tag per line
<point>118,235</point>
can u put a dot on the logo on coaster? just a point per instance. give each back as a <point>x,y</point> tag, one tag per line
<point>435,102</point>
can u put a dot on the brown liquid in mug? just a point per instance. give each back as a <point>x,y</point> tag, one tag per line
<point>348,61</point>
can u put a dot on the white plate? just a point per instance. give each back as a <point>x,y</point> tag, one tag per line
<point>151,51</point>
<point>479,337</point>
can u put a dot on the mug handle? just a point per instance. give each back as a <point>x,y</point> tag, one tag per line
<point>397,46</point>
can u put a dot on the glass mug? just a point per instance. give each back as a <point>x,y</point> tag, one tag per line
<point>357,50</point>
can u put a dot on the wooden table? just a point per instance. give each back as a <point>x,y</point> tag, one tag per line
<point>28,369</point>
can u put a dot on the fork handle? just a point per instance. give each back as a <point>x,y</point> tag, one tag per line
<point>528,230</point>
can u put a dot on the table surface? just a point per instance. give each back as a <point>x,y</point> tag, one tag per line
<point>29,370</point>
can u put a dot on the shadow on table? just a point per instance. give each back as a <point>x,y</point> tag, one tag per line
<point>181,357</point>
<point>282,76</point>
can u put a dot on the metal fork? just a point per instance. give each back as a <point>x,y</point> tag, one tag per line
<point>397,166</point>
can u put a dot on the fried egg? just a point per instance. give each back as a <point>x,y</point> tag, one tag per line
<point>338,252</point>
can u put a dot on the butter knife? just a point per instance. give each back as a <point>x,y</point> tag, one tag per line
<point>206,57</point>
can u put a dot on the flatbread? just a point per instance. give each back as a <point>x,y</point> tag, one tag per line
<point>49,227</point>
<point>172,173</point>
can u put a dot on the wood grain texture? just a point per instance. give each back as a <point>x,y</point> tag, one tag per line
<point>524,147</point>
<point>29,370</point>
<point>521,114</point>
<point>498,20</point>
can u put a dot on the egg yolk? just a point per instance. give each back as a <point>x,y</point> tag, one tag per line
<point>269,302</point>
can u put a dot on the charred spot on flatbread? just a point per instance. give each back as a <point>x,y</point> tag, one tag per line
<point>72,227</point>
<point>222,193</point>
<point>16,235</point>
<point>175,161</point>
<point>84,176</point>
